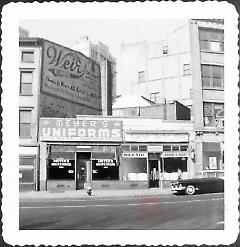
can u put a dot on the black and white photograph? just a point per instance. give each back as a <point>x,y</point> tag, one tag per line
<point>120,123</point>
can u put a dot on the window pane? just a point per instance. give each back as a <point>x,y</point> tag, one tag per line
<point>206,82</point>
<point>206,70</point>
<point>204,45</point>
<point>25,116</point>
<point>203,35</point>
<point>26,88</point>
<point>141,76</point>
<point>208,121</point>
<point>26,77</point>
<point>25,130</point>
<point>27,175</point>
<point>28,56</point>
<point>215,45</point>
<point>214,35</point>
<point>26,161</point>
<point>221,46</point>
<point>166,148</point>
<point>217,71</point>
<point>208,109</point>
<point>217,82</point>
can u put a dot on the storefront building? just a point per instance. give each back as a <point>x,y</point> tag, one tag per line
<point>110,153</point>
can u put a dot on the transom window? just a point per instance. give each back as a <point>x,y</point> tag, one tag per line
<point>26,80</point>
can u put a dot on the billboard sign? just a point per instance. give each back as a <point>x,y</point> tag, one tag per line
<point>70,75</point>
<point>72,129</point>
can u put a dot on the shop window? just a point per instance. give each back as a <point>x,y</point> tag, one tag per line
<point>25,123</point>
<point>173,164</point>
<point>28,56</point>
<point>26,80</point>
<point>212,76</point>
<point>61,169</point>
<point>155,96</point>
<point>141,76</point>
<point>213,114</point>
<point>166,148</point>
<point>26,169</point>
<point>211,40</point>
<point>105,169</point>
<point>186,69</point>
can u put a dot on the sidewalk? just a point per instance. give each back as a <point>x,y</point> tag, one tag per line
<point>77,194</point>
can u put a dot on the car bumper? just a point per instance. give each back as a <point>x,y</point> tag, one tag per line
<point>177,188</point>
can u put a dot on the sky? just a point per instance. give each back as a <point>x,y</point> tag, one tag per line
<point>110,32</point>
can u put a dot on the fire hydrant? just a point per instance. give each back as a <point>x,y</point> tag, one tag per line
<point>89,191</point>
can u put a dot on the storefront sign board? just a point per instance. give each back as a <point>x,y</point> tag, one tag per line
<point>71,75</point>
<point>156,137</point>
<point>70,129</point>
<point>174,154</point>
<point>105,162</point>
<point>134,155</point>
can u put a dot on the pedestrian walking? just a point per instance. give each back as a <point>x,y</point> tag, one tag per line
<point>179,174</point>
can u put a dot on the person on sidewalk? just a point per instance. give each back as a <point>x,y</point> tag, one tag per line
<point>179,174</point>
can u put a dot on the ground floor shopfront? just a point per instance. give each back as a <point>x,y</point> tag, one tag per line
<point>123,159</point>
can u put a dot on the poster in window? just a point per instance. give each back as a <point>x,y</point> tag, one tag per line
<point>213,162</point>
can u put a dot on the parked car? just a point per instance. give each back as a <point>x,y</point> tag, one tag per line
<point>207,181</point>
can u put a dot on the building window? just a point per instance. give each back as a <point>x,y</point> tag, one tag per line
<point>25,123</point>
<point>141,76</point>
<point>213,114</point>
<point>211,40</point>
<point>165,50</point>
<point>26,80</point>
<point>167,148</point>
<point>28,56</point>
<point>212,76</point>
<point>154,96</point>
<point>186,69</point>
<point>26,169</point>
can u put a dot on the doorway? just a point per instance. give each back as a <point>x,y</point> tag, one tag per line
<point>153,174</point>
<point>83,162</point>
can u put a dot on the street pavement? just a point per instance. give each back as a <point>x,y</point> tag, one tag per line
<point>114,210</point>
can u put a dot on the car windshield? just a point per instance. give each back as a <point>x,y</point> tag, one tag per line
<point>210,173</point>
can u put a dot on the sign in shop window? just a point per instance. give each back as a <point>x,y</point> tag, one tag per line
<point>61,168</point>
<point>105,169</point>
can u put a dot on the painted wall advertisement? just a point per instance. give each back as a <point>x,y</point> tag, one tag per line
<point>72,129</point>
<point>71,76</point>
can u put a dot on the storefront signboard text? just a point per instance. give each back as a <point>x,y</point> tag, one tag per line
<point>70,129</point>
<point>174,154</point>
<point>134,155</point>
<point>105,162</point>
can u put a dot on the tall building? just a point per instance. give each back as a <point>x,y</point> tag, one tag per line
<point>100,53</point>
<point>188,67</point>
<point>55,81</point>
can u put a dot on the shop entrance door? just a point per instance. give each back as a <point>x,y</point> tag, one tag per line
<point>154,174</point>
<point>83,160</point>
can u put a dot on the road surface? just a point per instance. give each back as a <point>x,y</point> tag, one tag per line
<point>169,212</point>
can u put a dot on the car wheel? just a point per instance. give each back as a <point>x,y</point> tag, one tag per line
<point>190,190</point>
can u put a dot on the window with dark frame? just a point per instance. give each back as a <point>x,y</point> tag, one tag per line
<point>213,114</point>
<point>28,56</point>
<point>25,123</point>
<point>26,80</point>
<point>26,169</point>
<point>211,40</point>
<point>212,76</point>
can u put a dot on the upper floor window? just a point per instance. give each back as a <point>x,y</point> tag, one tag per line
<point>186,69</point>
<point>28,56</point>
<point>165,50</point>
<point>154,96</point>
<point>213,114</point>
<point>26,80</point>
<point>212,76</point>
<point>211,40</point>
<point>141,76</point>
<point>25,123</point>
